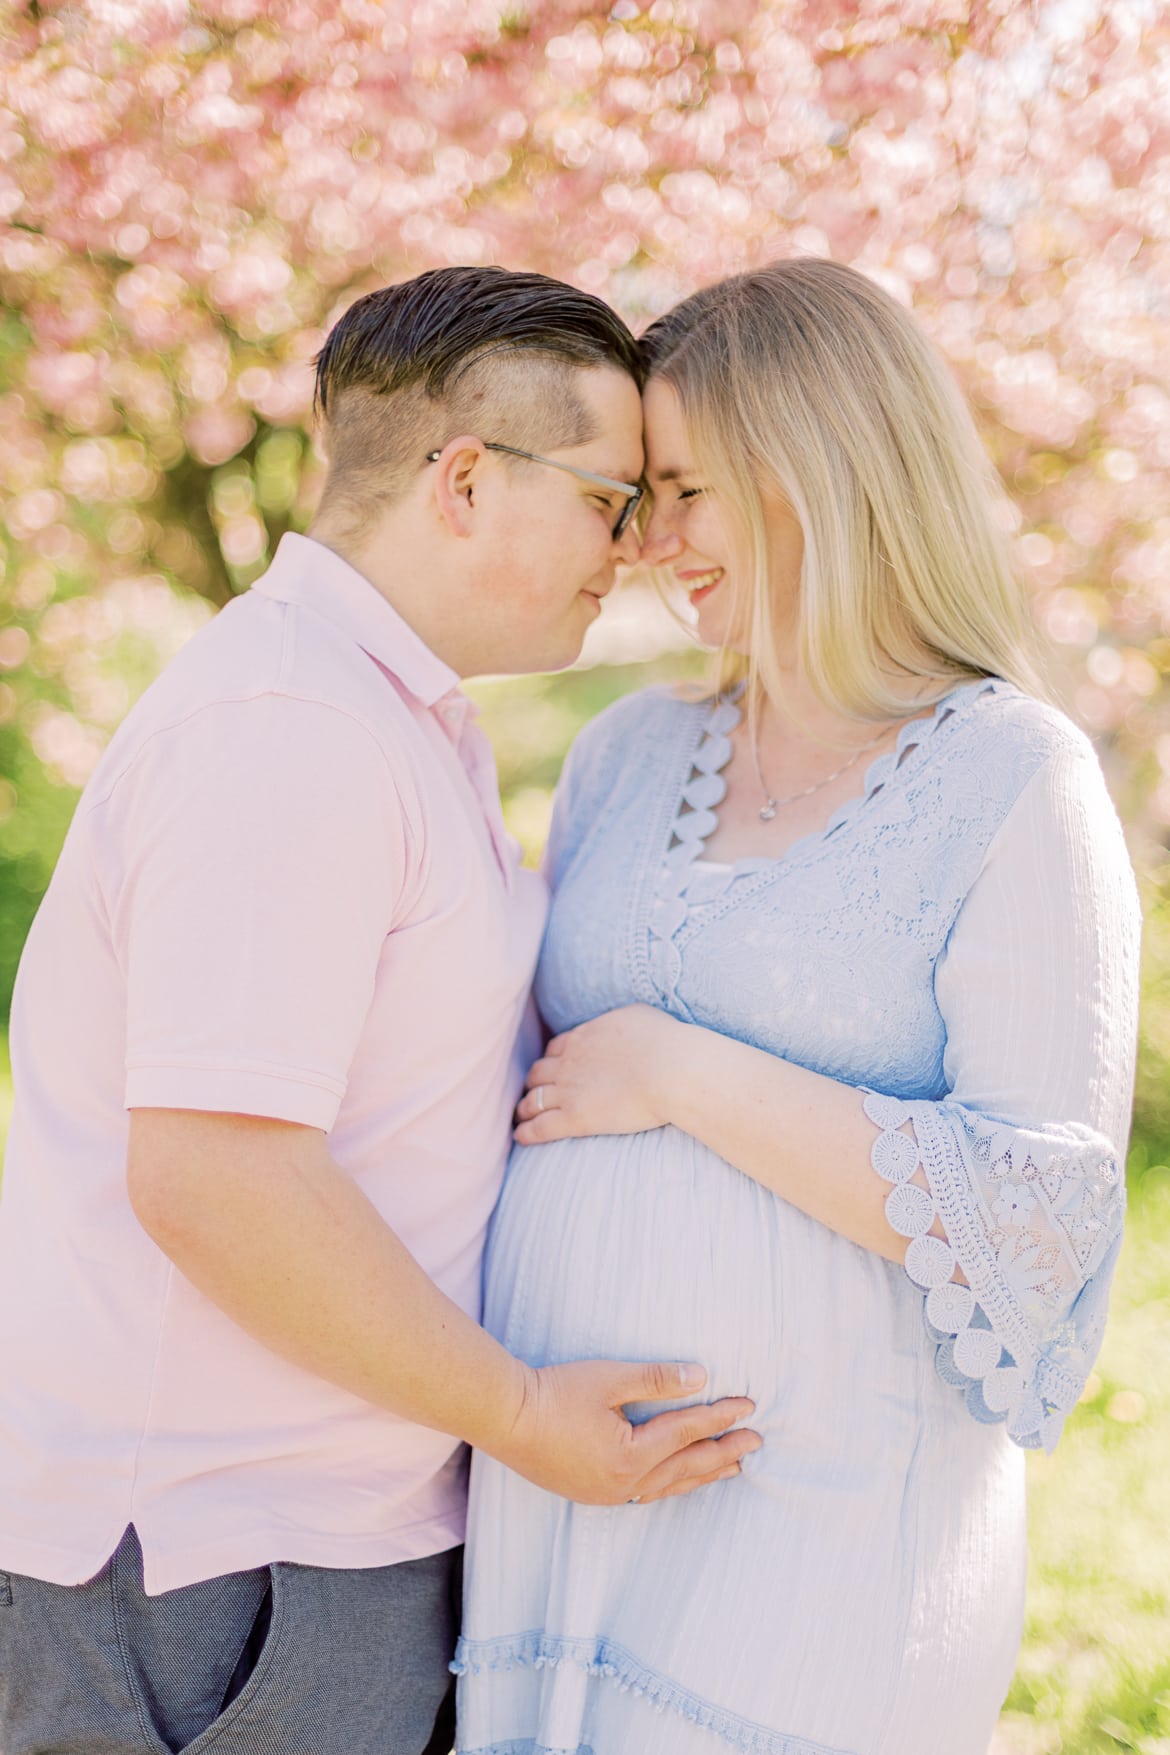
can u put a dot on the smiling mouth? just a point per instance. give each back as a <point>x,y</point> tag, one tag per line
<point>700,585</point>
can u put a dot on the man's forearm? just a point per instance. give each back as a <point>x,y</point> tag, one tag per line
<point>260,1219</point>
<point>265,1224</point>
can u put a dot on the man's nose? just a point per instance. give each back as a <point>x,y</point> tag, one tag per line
<point>627,547</point>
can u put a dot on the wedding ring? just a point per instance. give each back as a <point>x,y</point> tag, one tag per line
<point>539,1096</point>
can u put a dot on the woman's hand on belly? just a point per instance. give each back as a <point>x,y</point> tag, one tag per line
<point>606,1076</point>
<point>799,1133</point>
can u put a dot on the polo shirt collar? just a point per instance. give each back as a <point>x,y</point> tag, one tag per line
<point>307,573</point>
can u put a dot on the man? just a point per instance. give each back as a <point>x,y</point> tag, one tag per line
<point>262,1045</point>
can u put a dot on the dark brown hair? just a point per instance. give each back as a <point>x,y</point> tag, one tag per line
<point>456,350</point>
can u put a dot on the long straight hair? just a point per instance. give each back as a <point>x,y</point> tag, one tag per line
<point>805,377</point>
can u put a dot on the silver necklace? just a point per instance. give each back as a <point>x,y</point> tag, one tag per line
<point>772,804</point>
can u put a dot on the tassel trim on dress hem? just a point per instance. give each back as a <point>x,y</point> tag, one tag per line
<point>613,1663</point>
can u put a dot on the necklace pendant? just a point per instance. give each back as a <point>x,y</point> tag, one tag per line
<point>768,812</point>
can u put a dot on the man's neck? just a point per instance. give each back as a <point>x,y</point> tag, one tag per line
<point>390,565</point>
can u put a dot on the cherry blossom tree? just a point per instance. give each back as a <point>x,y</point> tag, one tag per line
<point>192,192</point>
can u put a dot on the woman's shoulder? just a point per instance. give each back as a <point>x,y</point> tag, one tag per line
<point>1039,771</point>
<point>648,718</point>
<point>990,754</point>
<point>996,722</point>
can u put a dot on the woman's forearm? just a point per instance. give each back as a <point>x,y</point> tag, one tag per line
<point>800,1134</point>
<point>804,1136</point>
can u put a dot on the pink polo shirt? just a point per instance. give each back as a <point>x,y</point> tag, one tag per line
<point>287,891</point>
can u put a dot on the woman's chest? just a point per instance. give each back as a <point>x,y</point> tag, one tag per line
<point>825,954</point>
<point>826,960</point>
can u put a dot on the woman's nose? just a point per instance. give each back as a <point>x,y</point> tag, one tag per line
<point>659,543</point>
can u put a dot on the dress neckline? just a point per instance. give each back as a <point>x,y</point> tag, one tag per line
<point>715,751</point>
<point>704,788</point>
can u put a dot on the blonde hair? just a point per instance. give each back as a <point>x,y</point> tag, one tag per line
<point>806,377</point>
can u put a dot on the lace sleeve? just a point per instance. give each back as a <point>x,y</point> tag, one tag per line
<point>1012,1189</point>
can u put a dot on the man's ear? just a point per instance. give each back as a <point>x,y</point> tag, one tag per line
<point>458,469</point>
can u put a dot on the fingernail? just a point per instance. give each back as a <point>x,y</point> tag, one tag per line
<point>692,1376</point>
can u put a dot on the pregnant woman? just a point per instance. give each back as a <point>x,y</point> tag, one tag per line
<point>841,971</point>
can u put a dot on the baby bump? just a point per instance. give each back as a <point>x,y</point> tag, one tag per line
<point>650,1246</point>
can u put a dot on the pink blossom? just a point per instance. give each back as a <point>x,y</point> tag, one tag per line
<point>190,196</point>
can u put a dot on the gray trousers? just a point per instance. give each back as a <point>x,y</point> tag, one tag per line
<point>283,1660</point>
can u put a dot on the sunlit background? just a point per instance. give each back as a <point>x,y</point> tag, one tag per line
<point>191,195</point>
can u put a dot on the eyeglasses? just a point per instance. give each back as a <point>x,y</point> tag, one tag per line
<point>634,495</point>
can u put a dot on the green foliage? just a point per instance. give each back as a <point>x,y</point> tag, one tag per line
<point>34,815</point>
<point>1152,1103</point>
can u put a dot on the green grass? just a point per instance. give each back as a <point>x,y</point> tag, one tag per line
<point>1094,1673</point>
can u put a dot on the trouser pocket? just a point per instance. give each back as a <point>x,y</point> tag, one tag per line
<point>190,1652</point>
<point>254,1646</point>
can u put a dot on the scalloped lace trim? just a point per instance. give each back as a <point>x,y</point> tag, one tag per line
<point>679,889</point>
<point>1050,1214</point>
<point>607,1660</point>
<point>694,822</point>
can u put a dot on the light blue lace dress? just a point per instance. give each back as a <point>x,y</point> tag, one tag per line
<point>960,946</point>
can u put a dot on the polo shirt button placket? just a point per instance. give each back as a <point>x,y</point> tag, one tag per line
<point>457,716</point>
<point>451,714</point>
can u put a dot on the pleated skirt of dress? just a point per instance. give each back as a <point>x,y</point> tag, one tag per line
<point>857,1591</point>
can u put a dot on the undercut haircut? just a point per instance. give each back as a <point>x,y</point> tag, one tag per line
<point>456,350</point>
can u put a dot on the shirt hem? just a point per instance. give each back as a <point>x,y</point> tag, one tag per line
<point>175,1568</point>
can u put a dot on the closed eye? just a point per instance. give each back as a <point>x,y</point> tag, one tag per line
<point>688,493</point>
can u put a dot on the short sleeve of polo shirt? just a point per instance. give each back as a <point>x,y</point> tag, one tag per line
<point>254,856</point>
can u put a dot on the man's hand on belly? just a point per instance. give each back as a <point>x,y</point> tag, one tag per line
<point>571,1436</point>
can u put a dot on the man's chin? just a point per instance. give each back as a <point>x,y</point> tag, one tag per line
<point>564,648</point>
<point>567,655</point>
